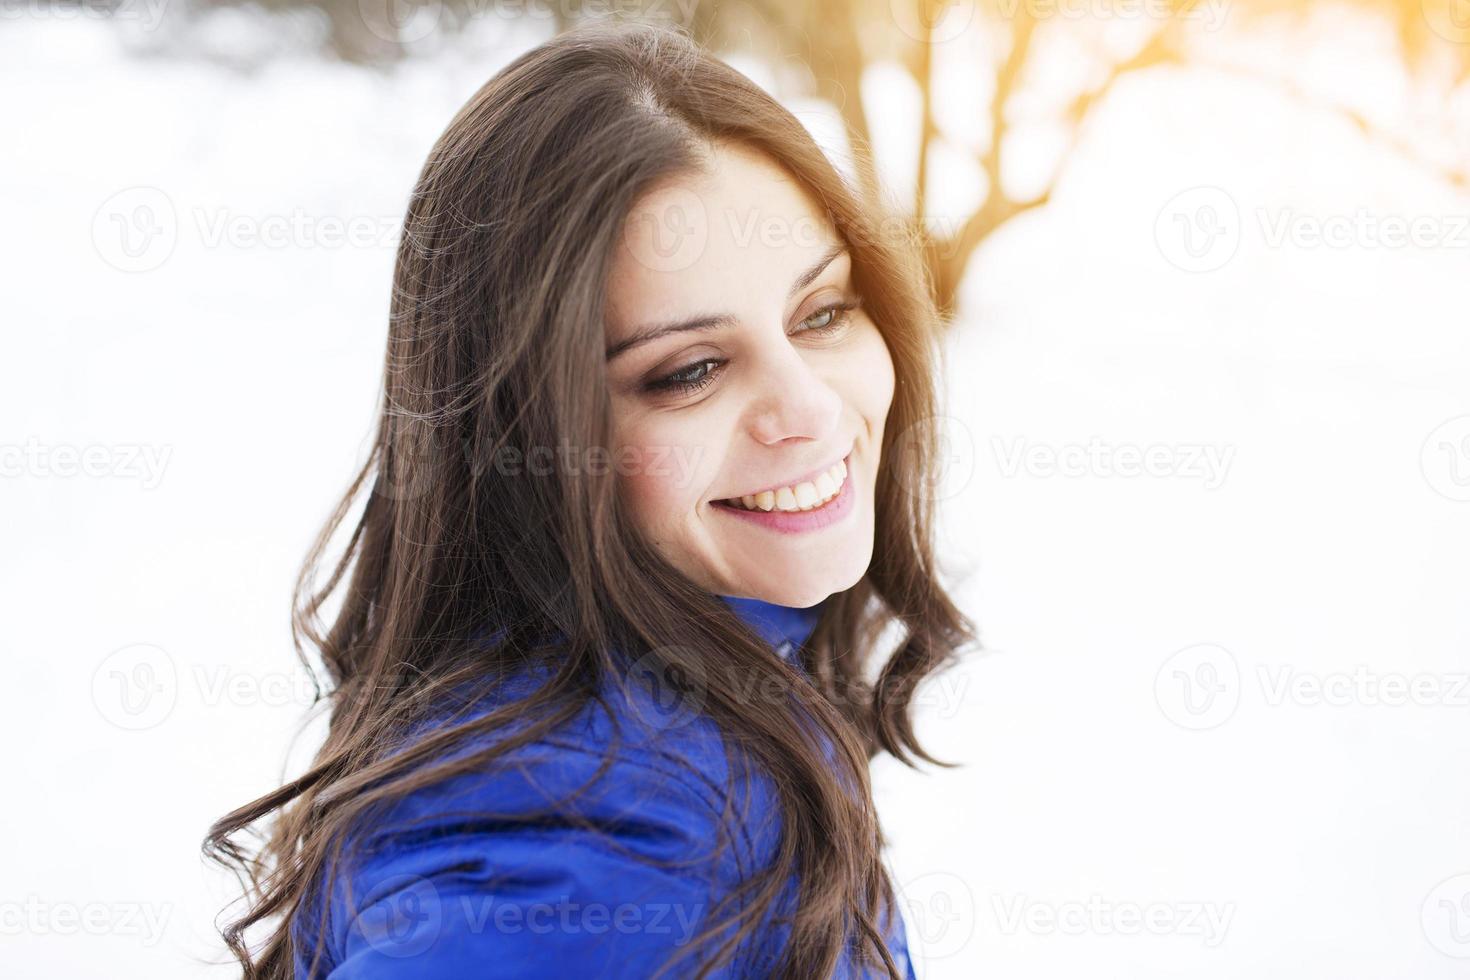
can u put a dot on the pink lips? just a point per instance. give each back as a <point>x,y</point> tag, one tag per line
<point>799,521</point>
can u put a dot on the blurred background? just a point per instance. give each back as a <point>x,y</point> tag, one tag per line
<point>1207,486</point>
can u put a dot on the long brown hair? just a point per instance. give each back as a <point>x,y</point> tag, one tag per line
<point>495,348</point>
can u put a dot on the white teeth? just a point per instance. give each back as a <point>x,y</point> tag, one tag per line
<point>804,496</point>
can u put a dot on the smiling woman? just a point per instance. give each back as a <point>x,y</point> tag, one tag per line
<point>788,384</point>
<point>618,722</point>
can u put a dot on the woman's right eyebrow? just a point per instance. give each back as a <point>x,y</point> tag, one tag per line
<point>654,331</point>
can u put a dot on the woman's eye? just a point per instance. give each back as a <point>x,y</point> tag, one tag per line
<point>695,376</point>
<point>688,379</point>
<point>829,317</point>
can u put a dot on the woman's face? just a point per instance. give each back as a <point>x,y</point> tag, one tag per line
<point>741,386</point>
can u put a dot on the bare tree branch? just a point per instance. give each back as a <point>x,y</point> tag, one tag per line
<point>1023,28</point>
<point>924,73</point>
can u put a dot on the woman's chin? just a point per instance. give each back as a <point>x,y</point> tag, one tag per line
<point>800,587</point>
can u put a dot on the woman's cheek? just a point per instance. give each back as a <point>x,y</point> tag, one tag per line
<point>872,363</point>
<point>659,476</point>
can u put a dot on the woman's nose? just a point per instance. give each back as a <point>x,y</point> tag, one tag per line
<point>792,401</point>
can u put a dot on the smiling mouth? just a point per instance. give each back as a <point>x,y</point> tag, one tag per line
<point>807,495</point>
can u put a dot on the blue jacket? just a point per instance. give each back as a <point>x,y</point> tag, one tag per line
<point>459,889</point>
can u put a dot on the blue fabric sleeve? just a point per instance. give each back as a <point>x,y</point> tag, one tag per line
<point>466,882</point>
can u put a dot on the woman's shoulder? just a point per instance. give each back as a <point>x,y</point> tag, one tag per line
<point>642,738</point>
<point>632,809</point>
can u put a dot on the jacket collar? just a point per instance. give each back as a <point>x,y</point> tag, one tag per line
<point>784,627</point>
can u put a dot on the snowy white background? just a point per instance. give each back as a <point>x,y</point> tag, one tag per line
<point>1220,728</point>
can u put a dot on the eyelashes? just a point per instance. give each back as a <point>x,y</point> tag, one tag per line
<point>680,381</point>
<point>694,377</point>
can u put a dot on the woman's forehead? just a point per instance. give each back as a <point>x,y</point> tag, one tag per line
<point>740,232</point>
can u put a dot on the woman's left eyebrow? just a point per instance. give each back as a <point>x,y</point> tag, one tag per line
<point>809,276</point>
<point>652,332</point>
